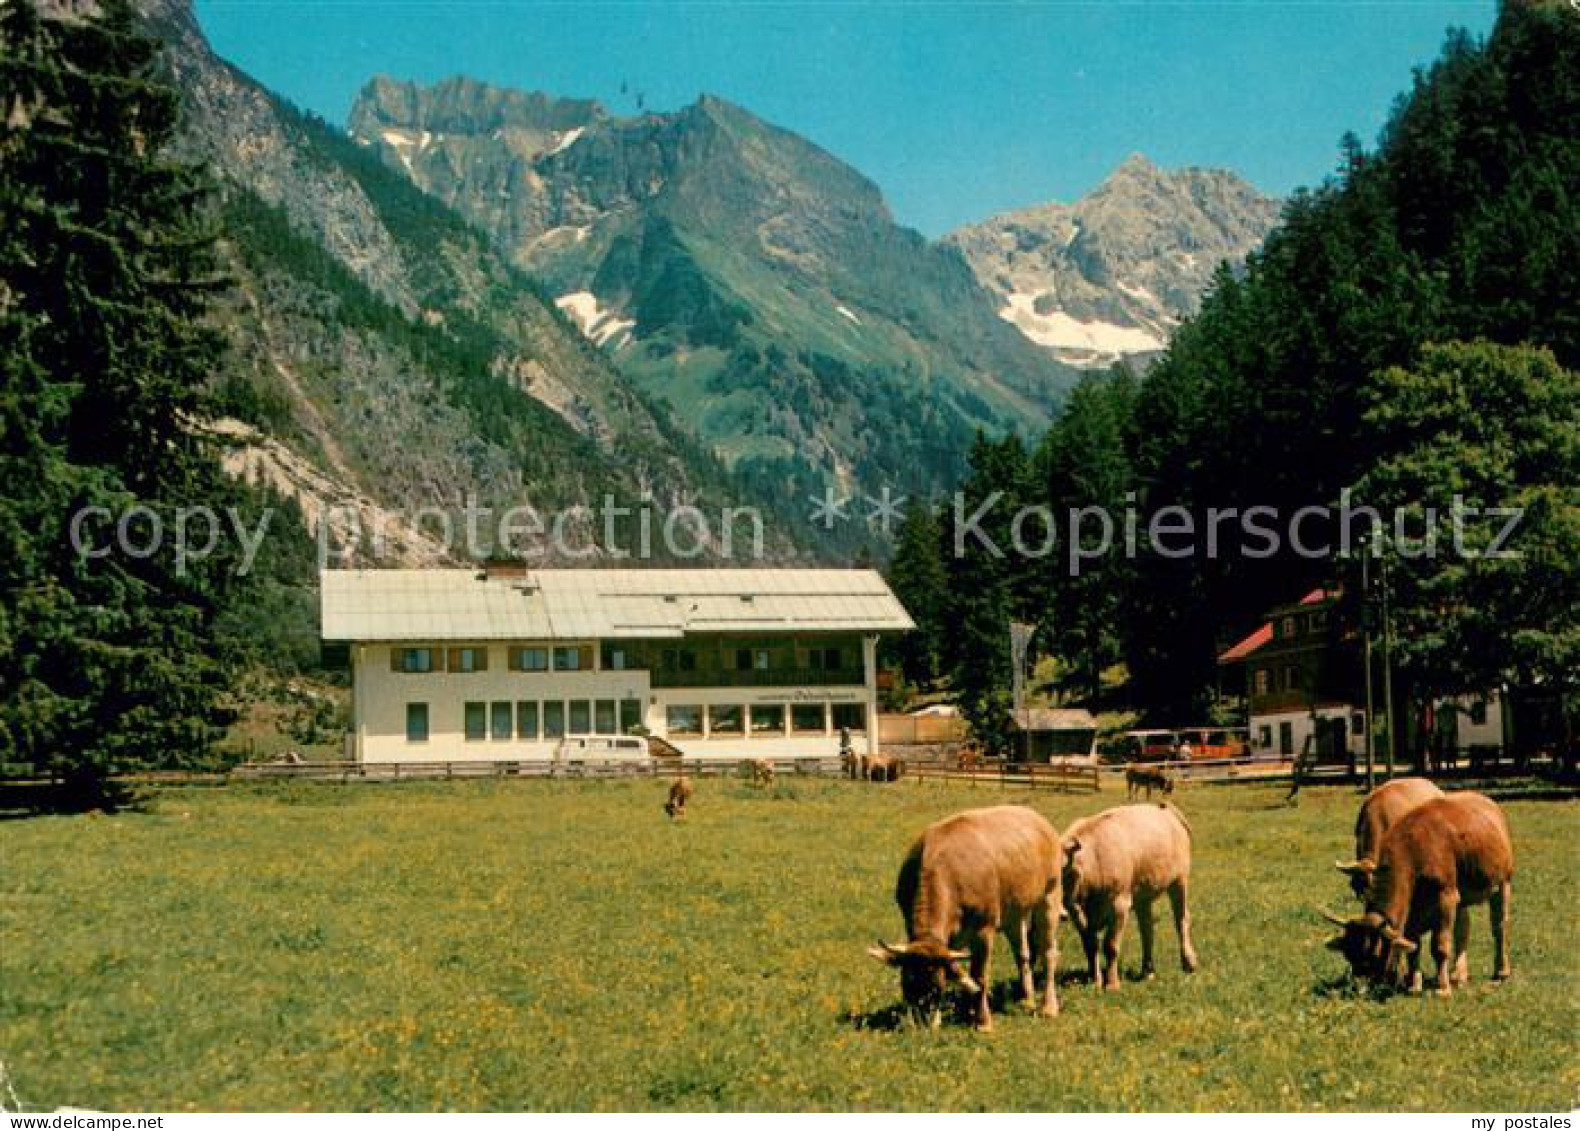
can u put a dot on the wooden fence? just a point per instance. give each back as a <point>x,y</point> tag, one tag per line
<point>1059,777</point>
<point>346,771</point>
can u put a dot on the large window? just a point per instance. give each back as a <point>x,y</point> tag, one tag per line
<point>630,715</point>
<point>529,659</point>
<point>554,719</point>
<point>850,716</point>
<point>476,722</point>
<point>412,660</point>
<point>680,660</point>
<point>751,659</point>
<point>499,722</point>
<point>768,718</point>
<point>683,719</point>
<point>620,658</point>
<point>569,660</point>
<point>527,721</point>
<point>581,716</point>
<point>1261,681</point>
<point>808,718</point>
<point>416,722</point>
<point>826,658</point>
<point>725,719</point>
<point>468,659</point>
<point>604,718</point>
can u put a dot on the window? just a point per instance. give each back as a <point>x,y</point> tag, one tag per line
<point>1358,723</point>
<point>581,716</point>
<point>1478,713</point>
<point>680,660</point>
<point>724,720</point>
<point>476,722</point>
<point>630,715</point>
<point>850,716</point>
<point>554,719</point>
<point>499,722</point>
<point>751,659</point>
<point>826,659</point>
<point>1286,739</point>
<point>568,659</point>
<point>1264,737</point>
<point>683,719</point>
<point>468,659</point>
<point>527,721</point>
<point>768,718</point>
<point>411,660</point>
<point>416,722</point>
<point>1291,678</point>
<point>1288,628</point>
<point>529,659</point>
<point>1261,681</point>
<point>808,718</point>
<point>617,659</point>
<point>604,717</point>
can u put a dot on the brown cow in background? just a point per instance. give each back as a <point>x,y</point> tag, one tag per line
<point>680,792</point>
<point>1442,858</point>
<point>966,877</point>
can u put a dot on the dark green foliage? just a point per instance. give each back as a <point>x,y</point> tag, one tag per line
<point>919,579</point>
<point>1484,426</point>
<point>106,271</point>
<point>1464,223</point>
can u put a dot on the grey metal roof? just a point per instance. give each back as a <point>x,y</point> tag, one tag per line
<point>579,604</point>
<point>1047,718</point>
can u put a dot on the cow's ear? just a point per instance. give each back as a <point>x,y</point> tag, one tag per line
<point>1072,846</point>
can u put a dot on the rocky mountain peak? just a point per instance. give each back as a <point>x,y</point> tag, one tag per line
<point>1111,275</point>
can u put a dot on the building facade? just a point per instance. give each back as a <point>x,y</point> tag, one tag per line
<point>507,664</point>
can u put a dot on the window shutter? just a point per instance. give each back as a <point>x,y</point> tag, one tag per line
<point>482,659</point>
<point>513,659</point>
<point>455,659</point>
<point>396,656</point>
<point>586,659</point>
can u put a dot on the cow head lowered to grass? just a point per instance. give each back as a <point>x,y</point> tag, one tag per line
<point>927,970</point>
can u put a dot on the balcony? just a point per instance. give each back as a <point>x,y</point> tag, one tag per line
<point>772,677</point>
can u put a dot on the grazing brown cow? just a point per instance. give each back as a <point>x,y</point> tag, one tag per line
<point>1380,812</point>
<point>1442,858</point>
<point>1124,858</point>
<point>1140,777</point>
<point>759,771</point>
<point>967,876</point>
<point>883,767</point>
<point>679,793</point>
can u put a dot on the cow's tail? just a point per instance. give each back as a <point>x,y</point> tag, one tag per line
<point>1178,816</point>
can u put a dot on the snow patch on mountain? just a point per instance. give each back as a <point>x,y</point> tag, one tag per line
<point>600,324</point>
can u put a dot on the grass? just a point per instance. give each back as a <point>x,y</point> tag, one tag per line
<point>560,945</point>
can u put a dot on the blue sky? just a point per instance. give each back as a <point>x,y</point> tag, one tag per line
<point>957,111</point>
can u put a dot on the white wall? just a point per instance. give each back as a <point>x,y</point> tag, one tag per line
<point>380,697</point>
<point>1302,727</point>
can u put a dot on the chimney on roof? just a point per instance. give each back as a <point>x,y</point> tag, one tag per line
<point>506,569</point>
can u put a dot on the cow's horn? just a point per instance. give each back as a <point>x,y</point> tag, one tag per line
<point>959,955</point>
<point>1336,920</point>
<point>1352,867</point>
<point>886,952</point>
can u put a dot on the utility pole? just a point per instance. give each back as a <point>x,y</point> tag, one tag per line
<point>1019,645</point>
<point>1388,704</point>
<point>1366,644</point>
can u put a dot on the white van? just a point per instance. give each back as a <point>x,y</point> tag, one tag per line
<point>602,748</point>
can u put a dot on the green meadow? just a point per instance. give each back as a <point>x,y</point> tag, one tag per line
<point>561,945</point>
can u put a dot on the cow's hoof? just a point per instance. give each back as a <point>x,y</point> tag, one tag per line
<point>985,1025</point>
<point>1049,1010</point>
<point>1502,976</point>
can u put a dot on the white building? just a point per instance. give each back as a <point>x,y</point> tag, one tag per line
<point>505,663</point>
